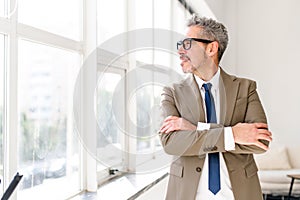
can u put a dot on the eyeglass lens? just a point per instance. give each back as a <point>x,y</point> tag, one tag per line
<point>186,44</point>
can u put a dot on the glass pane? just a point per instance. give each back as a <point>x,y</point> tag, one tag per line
<point>144,107</point>
<point>2,7</point>
<point>1,105</point>
<point>56,16</point>
<point>146,99</point>
<point>48,149</point>
<point>117,20</point>
<point>110,120</point>
<point>179,18</point>
<point>143,14</point>
<point>162,14</point>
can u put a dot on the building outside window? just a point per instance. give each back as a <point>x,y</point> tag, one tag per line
<point>110,120</point>
<point>55,16</point>
<point>48,149</point>
<point>43,48</point>
<point>2,6</point>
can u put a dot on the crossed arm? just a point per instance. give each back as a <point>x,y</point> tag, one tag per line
<point>243,133</point>
<point>181,137</point>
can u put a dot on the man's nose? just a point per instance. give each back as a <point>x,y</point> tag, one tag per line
<point>181,50</point>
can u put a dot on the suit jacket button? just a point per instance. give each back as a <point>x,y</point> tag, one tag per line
<point>214,148</point>
<point>198,169</point>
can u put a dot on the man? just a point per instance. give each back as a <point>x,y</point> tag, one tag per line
<point>214,122</point>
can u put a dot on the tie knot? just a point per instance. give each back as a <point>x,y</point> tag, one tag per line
<point>207,86</point>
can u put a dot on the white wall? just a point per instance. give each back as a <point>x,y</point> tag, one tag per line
<point>265,46</point>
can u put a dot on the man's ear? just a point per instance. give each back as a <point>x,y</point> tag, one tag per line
<point>212,48</point>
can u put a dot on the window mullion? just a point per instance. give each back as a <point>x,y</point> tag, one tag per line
<point>45,37</point>
<point>11,103</point>
<point>5,26</point>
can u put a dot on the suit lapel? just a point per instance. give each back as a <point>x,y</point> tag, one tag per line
<point>193,99</point>
<point>228,95</point>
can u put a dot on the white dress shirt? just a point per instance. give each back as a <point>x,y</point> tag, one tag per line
<point>203,193</point>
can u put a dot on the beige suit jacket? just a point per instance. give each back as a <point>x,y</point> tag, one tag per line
<point>239,103</point>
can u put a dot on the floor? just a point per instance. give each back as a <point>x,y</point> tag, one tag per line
<point>123,188</point>
<point>93,196</point>
<point>127,186</point>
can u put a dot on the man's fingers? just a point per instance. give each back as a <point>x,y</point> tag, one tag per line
<point>265,132</point>
<point>261,125</point>
<point>252,134</point>
<point>264,137</point>
<point>168,126</point>
<point>174,123</point>
<point>261,145</point>
<point>170,129</point>
<point>165,128</point>
<point>167,123</point>
<point>170,118</point>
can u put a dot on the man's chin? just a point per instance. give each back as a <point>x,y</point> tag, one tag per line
<point>187,69</point>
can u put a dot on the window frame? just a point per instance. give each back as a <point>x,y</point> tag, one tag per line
<point>133,62</point>
<point>3,104</point>
<point>103,175</point>
<point>39,171</point>
<point>13,30</point>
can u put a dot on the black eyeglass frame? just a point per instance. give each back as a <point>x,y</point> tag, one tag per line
<point>181,42</point>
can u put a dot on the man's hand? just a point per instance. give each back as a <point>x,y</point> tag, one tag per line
<point>251,134</point>
<point>174,123</point>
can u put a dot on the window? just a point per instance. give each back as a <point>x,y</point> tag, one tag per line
<point>111,19</point>
<point>179,16</point>
<point>48,148</point>
<point>1,105</point>
<point>146,101</point>
<point>141,104</point>
<point>162,14</point>
<point>143,14</point>
<point>59,17</point>
<point>111,119</point>
<point>2,7</point>
<point>41,80</point>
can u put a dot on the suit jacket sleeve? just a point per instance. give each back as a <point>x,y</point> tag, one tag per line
<point>188,143</point>
<point>254,113</point>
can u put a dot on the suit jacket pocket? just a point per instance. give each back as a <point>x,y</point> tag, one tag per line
<point>251,169</point>
<point>176,170</point>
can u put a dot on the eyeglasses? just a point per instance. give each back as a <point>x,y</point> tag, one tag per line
<point>187,42</point>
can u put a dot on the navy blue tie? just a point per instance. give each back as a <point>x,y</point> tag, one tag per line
<point>213,158</point>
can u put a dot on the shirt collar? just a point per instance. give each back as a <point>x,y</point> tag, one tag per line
<point>214,80</point>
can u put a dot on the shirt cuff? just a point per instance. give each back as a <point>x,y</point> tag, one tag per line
<point>203,126</point>
<point>228,139</point>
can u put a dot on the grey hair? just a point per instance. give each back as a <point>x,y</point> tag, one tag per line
<point>212,30</point>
